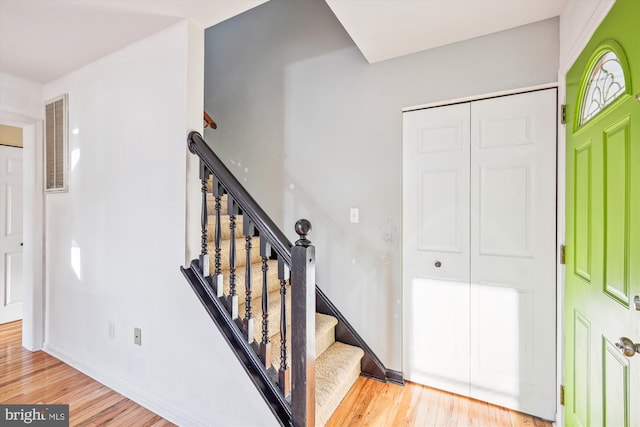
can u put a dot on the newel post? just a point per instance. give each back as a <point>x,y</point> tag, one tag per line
<point>303,339</point>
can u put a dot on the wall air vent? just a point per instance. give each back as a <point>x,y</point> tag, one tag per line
<point>56,145</point>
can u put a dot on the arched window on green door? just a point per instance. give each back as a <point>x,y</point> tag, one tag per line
<point>605,84</point>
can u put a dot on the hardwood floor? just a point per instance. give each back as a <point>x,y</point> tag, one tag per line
<point>38,378</point>
<point>373,403</point>
<point>27,377</point>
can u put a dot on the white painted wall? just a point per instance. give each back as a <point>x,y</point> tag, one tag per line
<point>312,130</point>
<point>19,97</point>
<point>20,105</point>
<point>116,239</point>
<point>578,21</point>
<point>195,107</point>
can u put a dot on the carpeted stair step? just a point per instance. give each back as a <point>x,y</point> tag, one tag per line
<point>225,224</point>
<point>325,332</point>
<point>241,253</point>
<point>337,369</point>
<point>211,204</point>
<point>325,336</point>
<point>256,280</point>
<point>274,312</point>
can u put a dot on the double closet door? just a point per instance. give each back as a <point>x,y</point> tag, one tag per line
<point>479,249</point>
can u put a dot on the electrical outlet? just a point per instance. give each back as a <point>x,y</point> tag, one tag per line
<point>354,215</point>
<point>137,336</point>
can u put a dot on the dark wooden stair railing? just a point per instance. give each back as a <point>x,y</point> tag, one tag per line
<point>290,390</point>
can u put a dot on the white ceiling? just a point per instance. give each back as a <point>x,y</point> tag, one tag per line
<point>385,29</point>
<point>41,40</point>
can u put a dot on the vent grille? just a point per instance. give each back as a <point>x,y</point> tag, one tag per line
<point>55,145</point>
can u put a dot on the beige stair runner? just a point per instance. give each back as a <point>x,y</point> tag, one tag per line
<point>337,364</point>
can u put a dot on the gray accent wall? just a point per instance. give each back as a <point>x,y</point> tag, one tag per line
<point>312,130</point>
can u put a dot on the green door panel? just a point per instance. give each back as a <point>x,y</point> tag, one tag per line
<point>602,386</point>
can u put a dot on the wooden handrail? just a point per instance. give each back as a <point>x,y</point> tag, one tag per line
<point>209,123</point>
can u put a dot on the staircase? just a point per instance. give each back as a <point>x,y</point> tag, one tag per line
<point>337,365</point>
<point>259,289</point>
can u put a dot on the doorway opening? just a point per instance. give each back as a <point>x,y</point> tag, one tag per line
<point>11,221</point>
<point>33,275</point>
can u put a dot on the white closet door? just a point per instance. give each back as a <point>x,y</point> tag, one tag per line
<point>10,234</point>
<point>513,241</point>
<point>436,247</point>
<point>479,250</point>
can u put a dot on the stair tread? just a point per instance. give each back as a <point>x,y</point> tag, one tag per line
<point>336,371</point>
<point>241,254</point>
<point>274,312</point>
<point>225,224</point>
<point>325,322</point>
<point>211,204</point>
<point>273,284</point>
<point>324,325</point>
<point>326,332</point>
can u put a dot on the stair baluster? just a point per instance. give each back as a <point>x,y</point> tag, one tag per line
<point>204,255</point>
<point>232,300</point>
<point>284,374</point>
<point>265,342</point>
<point>247,323</point>
<point>303,339</point>
<point>218,191</point>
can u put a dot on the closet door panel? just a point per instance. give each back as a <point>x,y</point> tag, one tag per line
<point>436,247</point>
<point>512,252</point>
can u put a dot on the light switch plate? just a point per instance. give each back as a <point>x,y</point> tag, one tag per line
<point>354,215</point>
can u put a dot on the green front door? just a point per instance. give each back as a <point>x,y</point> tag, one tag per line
<point>602,385</point>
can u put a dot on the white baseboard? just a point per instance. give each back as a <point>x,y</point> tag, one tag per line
<point>142,397</point>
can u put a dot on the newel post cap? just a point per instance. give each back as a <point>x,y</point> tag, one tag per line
<point>303,227</point>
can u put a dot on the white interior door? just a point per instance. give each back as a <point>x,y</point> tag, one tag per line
<point>513,255</point>
<point>479,249</point>
<point>436,246</point>
<point>10,234</point>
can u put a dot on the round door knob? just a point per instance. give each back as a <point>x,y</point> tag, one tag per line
<point>438,264</point>
<point>627,347</point>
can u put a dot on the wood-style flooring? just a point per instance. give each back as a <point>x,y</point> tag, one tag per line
<point>373,403</point>
<point>36,377</point>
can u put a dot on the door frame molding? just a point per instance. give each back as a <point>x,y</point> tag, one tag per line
<point>33,267</point>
